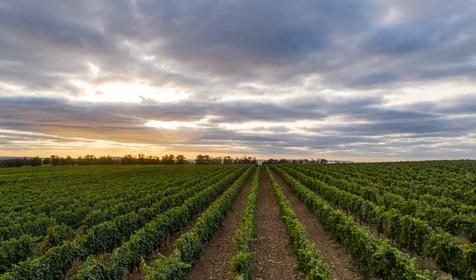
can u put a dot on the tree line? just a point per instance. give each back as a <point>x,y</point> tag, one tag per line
<point>295,161</point>
<point>127,159</point>
<point>206,159</point>
<point>143,159</point>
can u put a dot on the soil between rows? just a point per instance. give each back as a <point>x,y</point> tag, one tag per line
<point>214,262</point>
<point>339,262</point>
<point>274,258</point>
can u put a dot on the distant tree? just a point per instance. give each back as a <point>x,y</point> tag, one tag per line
<point>215,160</point>
<point>269,161</point>
<point>152,160</point>
<point>69,160</point>
<point>89,159</point>
<point>55,160</point>
<point>141,159</point>
<point>227,160</point>
<point>180,159</point>
<point>105,160</point>
<point>128,159</point>
<point>168,159</point>
<point>36,161</point>
<point>202,159</point>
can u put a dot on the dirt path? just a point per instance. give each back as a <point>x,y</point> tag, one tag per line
<point>339,262</point>
<point>214,262</point>
<point>274,258</point>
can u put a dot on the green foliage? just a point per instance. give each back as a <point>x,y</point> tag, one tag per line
<point>410,232</point>
<point>106,235</point>
<point>55,235</point>
<point>309,259</point>
<point>51,265</point>
<point>441,216</point>
<point>241,264</point>
<point>373,256</point>
<point>246,233</point>
<point>170,268</point>
<point>15,250</point>
<point>35,227</point>
<point>51,217</point>
<point>190,244</point>
<point>154,233</point>
<point>92,270</point>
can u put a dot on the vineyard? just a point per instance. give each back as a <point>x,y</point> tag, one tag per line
<point>411,220</point>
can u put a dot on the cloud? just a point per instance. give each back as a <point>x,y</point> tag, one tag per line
<point>346,79</point>
<point>333,128</point>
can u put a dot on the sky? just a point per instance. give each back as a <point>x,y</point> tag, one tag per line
<point>352,79</point>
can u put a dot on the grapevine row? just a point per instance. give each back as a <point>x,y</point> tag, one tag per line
<point>406,192</point>
<point>445,218</point>
<point>76,215</point>
<point>411,233</point>
<point>103,236</point>
<point>58,260</point>
<point>245,234</point>
<point>154,234</point>
<point>375,258</point>
<point>310,262</point>
<point>190,244</point>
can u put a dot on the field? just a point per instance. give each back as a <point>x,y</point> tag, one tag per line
<point>409,220</point>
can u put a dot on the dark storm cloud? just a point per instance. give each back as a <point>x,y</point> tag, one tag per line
<point>286,52</point>
<point>245,37</point>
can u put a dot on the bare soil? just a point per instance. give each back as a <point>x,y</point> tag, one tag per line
<point>463,239</point>
<point>73,269</point>
<point>274,258</point>
<point>214,262</point>
<point>339,262</point>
